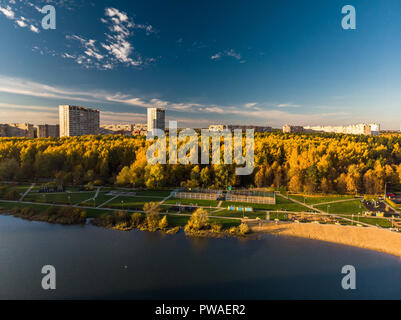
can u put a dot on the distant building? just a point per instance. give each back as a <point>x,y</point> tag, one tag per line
<point>47,131</point>
<point>125,129</point>
<point>17,130</point>
<point>156,119</point>
<point>218,127</point>
<point>292,129</point>
<point>358,129</point>
<point>375,129</point>
<point>140,129</point>
<point>78,121</point>
<point>222,127</point>
<point>256,128</point>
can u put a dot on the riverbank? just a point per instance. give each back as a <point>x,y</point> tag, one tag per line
<point>367,238</point>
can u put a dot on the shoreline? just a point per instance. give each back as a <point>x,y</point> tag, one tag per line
<point>370,238</point>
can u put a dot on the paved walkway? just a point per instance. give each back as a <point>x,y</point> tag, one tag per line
<point>106,202</point>
<point>26,192</point>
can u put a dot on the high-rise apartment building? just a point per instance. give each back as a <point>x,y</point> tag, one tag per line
<point>47,131</point>
<point>156,119</point>
<point>78,121</point>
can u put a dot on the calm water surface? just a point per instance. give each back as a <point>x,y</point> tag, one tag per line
<point>95,263</point>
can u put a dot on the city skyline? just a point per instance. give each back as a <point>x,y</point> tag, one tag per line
<point>276,66</point>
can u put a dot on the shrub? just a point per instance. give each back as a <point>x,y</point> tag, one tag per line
<point>216,227</point>
<point>152,220</point>
<point>199,220</point>
<point>243,229</point>
<point>163,223</point>
<point>136,219</point>
<point>27,212</point>
<point>12,195</point>
<point>233,230</point>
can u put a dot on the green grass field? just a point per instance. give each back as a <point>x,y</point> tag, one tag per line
<point>236,214</point>
<point>348,207</point>
<point>154,193</point>
<point>201,203</point>
<point>132,203</point>
<point>312,200</point>
<point>60,198</point>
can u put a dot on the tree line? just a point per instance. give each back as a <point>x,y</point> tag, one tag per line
<point>328,163</point>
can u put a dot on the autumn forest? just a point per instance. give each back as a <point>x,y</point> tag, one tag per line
<point>310,163</point>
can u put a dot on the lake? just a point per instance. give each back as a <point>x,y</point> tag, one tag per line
<point>96,263</point>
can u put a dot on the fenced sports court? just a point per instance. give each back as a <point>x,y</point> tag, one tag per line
<point>251,196</point>
<point>198,194</point>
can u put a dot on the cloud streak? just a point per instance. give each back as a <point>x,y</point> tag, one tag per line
<point>251,112</point>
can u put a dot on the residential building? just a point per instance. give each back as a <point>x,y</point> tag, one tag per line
<point>156,119</point>
<point>140,129</point>
<point>17,130</point>
<point>363,129</point>
<point>292,129</point>
<point>219,127</point>
<point>78,121</point>
<point>125,129</point>
<point>47,131</point>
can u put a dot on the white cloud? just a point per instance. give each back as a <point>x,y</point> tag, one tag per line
<point>10,11</point>
<point>228,53</point>
<point>34,29</point>
<point>287,105</point>
<point>116,48</point>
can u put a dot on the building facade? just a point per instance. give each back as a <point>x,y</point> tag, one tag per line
<point>140,129</point>
<point>47,131</point>
<point>17,130</point>
<point>222,127</point>
<point>156,119</point>
<point>78,121</point>
<point>358,129</point>
<point>125,129</point>
<point>292,129</point>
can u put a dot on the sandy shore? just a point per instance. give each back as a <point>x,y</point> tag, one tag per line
<point>367,238</point>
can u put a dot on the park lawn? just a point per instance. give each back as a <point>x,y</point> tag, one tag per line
<point>61,198</point>
<point>384,223</point>
<point>12,205</point>
<point>348,207</point>
<point>282,204</point>
<point>131,203</point>
<point>102,198</point>
<point>195,202</point>
<point>316,199</point>
<point>19,188</point>
<point>154,193</point>
<point>238,214</point>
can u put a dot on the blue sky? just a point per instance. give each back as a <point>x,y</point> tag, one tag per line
<point>251,62</point>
